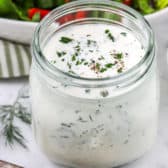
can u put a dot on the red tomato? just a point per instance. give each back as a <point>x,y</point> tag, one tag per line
<point>33,11</point>
<point>127,2</point>
<point>66,1</point>
<point>80,15</point>
<point>66,18</point>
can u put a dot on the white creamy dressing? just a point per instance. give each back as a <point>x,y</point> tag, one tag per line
<point>95,127</point>
<point>94,50</point>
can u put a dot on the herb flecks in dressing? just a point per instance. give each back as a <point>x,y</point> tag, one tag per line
<point>94,50</point>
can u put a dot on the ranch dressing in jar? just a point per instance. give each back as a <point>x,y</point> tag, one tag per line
<point>94,50</point>
<point>94,86</point>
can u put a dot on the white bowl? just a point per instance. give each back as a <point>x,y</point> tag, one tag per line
<point>21,31</point>
<point>15,30</point>
<point>159,23</point>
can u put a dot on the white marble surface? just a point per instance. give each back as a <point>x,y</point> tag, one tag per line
<point>33,158</point>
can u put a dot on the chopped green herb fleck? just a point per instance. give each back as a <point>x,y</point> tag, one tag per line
<point>53,61</point>
<point>89,42</point>
<point>78,62</point>
<point>86,63</point>
<point>81,119</point>
<point>66,125</point>
<point>103,70</point>
<point>77,48</point>
<point>90,117</point>
<point>123,33</point>
<point>119,70</point>
<point>69,65</point>
<point>73,57</point>
<point>76,54</point>
<point>97,66</point>
<point>65,40</point>
<point>109,34</point>
<point>60,54</point>
<point>111,37</point>
<point>119,56</point>
<point>107,31</point>
<point>101,58</point>
<point>109,65</point>
<point>72,72</point>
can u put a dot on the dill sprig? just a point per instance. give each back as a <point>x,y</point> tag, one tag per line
<point>22,114</point>
<point>8,114</point>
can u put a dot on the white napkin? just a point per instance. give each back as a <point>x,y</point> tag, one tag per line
<point>15,59</point>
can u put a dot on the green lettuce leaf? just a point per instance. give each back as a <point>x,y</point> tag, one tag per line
<point>160,4</point>
<point>9,9</point>
<point>143,6</point>
<point>48,4</point>
<point>24,4</point>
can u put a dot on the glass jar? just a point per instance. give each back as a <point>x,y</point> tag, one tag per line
<point>81,122</point>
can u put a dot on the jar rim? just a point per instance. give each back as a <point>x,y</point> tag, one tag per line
<point>91,82</point>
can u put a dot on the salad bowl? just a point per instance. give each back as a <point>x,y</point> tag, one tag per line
<point>22,32</point>
<point>16,30</point>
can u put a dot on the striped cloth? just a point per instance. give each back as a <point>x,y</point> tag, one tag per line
<point>15,59</point>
